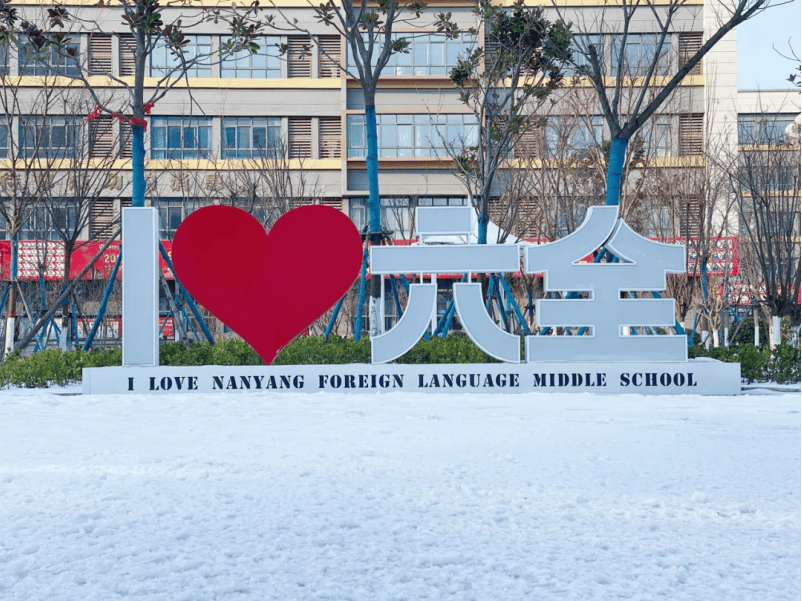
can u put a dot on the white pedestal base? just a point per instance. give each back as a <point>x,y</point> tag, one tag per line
<point>700,376</point>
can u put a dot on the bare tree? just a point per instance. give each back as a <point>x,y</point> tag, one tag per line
<point>504,81</point>
<point>765,181</point>
<point>602,55</point>
<point>371,34</point>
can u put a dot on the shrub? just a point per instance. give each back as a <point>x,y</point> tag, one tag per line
<point>56,367</point>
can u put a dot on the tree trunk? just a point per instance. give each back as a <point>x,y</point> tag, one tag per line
<point>615,170</point>
<point>756,319</point>
<point>11,312</point>
<point>776,336</point>
<point>138,166</point>
<point>374,215</point>
<point>66,321</point>
<point>11,319</point>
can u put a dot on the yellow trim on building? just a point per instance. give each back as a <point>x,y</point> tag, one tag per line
<point>447,163</point>
<point>769,148</point>
<point>195,83</point>
<point>239,164</point>
<point>169,164</point>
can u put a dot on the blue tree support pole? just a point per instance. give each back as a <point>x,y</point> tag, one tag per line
<point>615,169</point>
<point>361,300</point>
<point>101,311</point>
<point>334,315</point>
<point>137,165</point>
<point>187,298</point>
<point>5,296</point>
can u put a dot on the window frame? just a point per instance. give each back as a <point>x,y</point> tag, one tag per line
<point>182,124</point>
<point>250,72</point>
<point>74,132</point>
<point>170,205</point>
<point>57,62</point>
<point>170,66</point>
<point>428,134</point>
<point>273,136</point>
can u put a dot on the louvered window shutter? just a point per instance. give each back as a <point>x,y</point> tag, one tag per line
<point>125,141</point>
<point>691,217</point>
<point>101,219</point>
<point>689,44</point>
<point>691,134</point>
<point>101,137</point>
<point>329,55</point>
<point>299,61</point>
<point>300,130</point>
<point>528,144</point>
<point>330,138</point>
<point>335,203</point>
<point>127,55</point>
<point>100,53</point>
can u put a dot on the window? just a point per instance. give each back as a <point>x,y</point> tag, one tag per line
<point>50,137</point>
<point>172,211</point>
<point>659,220</point>
<point>430,54</point>
<point>181,137</point>
<point>397,212</point>
<point>4,139</point>
<point>639,51</point>
<point>442,201</point>
<point>251,137</point>
<point>4,60</point>
<point>49,60</point>
<point>196,54</point>
<point>50,222</point>
<point>572,135</point>
<point>412,135</point>
<point>657,136</point>
<point>763,128</point>
<point>263,64</point>
<point>580,46</point>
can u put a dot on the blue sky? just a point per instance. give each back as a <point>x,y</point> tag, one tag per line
<point>759,66</point>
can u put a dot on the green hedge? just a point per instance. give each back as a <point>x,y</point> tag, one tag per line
<point>57,367</point>
<point>758,364</point>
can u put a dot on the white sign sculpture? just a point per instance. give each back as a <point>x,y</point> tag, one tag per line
<point>641,265</point>
<point>597,301</point>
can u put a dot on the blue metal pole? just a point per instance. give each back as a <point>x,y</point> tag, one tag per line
<point>531,299</point>
<point>394,289</point>
<point>74,325</point>
<point>101,311</point>
<point>515,306</point>
<point>334,315</point>
<point>187,297</point>
<point>404,282</point>
<point>361,301</point>
<point>5,298</point>
<point>166,319</point>
<point>442,321</point>
<point>500,304</point>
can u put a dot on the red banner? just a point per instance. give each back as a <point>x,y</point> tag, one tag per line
<point>33,255</point>
<point>724,258</point>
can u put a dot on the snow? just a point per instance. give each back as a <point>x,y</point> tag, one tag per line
<point>399,496</point>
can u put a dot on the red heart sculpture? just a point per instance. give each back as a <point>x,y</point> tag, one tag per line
<point>267,288</point>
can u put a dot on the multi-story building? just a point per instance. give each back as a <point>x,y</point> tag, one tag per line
<point>268,131</point>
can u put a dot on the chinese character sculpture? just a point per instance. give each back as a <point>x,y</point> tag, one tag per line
<point>640,265</point>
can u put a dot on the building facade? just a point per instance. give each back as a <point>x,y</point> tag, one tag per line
<point>271,130</point>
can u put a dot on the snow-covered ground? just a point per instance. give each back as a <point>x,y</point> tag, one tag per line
<point>326,496</point>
